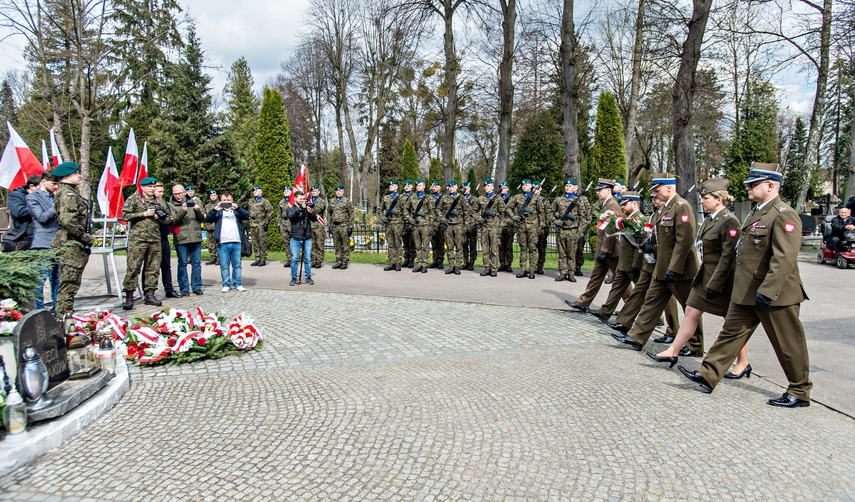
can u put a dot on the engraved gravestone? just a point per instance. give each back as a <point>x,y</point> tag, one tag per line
<point>39,329</point>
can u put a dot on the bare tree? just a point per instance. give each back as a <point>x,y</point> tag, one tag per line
<point>568,91</point>
<point>506,87</point>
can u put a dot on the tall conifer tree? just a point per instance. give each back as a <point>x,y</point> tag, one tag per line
<point>274,159</point>
<point>608,155</point>
<point>409,163</point>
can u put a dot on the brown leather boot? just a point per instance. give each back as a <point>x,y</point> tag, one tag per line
<point>129,300</point>
<point>150,299</point>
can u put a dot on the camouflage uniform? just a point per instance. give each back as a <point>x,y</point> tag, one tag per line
<point>585,214</point>
<point>144,250</point>
<point>528,225</point>
<point>420,216</point>
<point>488,212</point>
<point>470,232</point>
<point>209,235</point>
<point>407,237</point>
<point>341,225</point>
<point>285,228</point>
<point>72,243</point>
<point>452,215</point>
<point>319,234</point>
<point>394,227</point>
<point>543,234</point>
<point>569,228</point>
<point>506,242</point>
<point>260,211</point>
<point>437,232</point>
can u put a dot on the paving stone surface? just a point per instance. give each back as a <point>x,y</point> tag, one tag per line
<point>358,397</point>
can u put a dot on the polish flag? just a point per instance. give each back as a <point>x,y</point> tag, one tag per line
<point>302,182</point>
<point>143,170</point>
<point>129,166</point>
<point>45,158</point>
<point>110,198</point>
<point>54,149</point>
<point>18,162</point>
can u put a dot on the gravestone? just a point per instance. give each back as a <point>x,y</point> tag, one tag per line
<point>39,329</point>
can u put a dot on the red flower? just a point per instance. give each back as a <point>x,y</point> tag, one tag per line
<point>178,315</point>
<point>15,315</point>
<point>164,329</point>
<point>144,345</point>
<point>171,342</point>
<point>201,342</point>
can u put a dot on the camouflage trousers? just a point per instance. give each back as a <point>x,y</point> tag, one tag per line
<point>72,261</point>
<point>258,234</point>
<point>393,242</point>
<point>212,244</point>
<point>541,247</point>
<point>490,237</point>
<point>454,241</point>
<point>421,238</point>
<point>527,241</point>
<point>341,241</point>
<point>470,243</point>
<point>318,239</point>
<point>580,251</point>
<point>437,244</point>
<point>506,246</point>
<point>145,257</point>
<point>567,241</point>
<point>286,238</point>
<point>409,244</point>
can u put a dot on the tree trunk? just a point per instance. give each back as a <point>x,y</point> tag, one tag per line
<point>354,153</point>
<point>682,94</point>
<point>850,185</point>
<point>812,153</point>
<point>568,92</point>
<point>506,88</point>
<point>451,71</point>
<point>635,83</point>
<point>342,166</point>
<point>85,145</point>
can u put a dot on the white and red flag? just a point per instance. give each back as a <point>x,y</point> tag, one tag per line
<point>302,182</point>
<point>18,162</point>
<point>54,149</point>
<point>129,166</point>
<point>142,172</point>
<point>45,158</point>
<point>110,198</point>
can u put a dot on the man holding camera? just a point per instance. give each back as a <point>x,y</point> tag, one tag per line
<point>144,212</point>
<point>301,216</point>
<point>187,218</point>
<point>260,211</point>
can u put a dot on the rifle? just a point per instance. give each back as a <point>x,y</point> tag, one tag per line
<point>575,201</point>
<point>453,205</point>
<point>419,207</point>
<point>392,206</point>
<point>489,205</point>
<point>522,214</point>
<point>688,191</point>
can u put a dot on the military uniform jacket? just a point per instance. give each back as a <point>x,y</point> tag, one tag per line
<point>72,213</point>
<point>470,205</point>
<point>189,222</point>
<point>260,212</point>
<point>395,214</point>
<point>629,255</point>
<point>606,241</point>
<point>281,217</point>
<point>766,254</point>
<point>143,228</point>
<point>534,212</point>
<point>675,236</point>
<point>717,239</point>
<point>420,209</point>
<point>451,216</point>
<point>654,220</point>
<point>403,204</point>
<point>559,207</point>
<point>341,212</point>
<point>490,209</point>
<point>320,209</point>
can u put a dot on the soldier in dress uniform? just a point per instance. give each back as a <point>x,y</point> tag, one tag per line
<point>260,212</point>
<point>437,240</point>
<point>506,243</point>
<point>407,237</point>
<point>767,289</point>
<point>341,227</point>
<point>565,217</point>
<point>606,251</point>
<point>213,199</point>
<point>629,261</point>
<point>451,214</point>
<point>488,211</point>
<point>282,221</point>
<point>72,241</point>
<point>318,231</point>
<point>676,267</point>
<point>420,216</point>
<point>470,227</point>
<point>391,216</point>
<point>527,211</point>
<point>145,214</point>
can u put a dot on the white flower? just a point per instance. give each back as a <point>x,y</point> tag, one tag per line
<point>8,304</point>
<point>7,326</point>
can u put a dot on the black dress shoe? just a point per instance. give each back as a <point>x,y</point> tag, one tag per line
<point>697,378</point>
<point>664,339</point>
<point>671,360</point>
<point>628,340</point>
<point>618,327</point>
<point>744,373</point>
<point>789,401</point>
<point>198,293</point>
<point>578,273</point>
<point>174,294</point>
<point>389,267</point>
<point>685,352</point>
<point>576,305</point>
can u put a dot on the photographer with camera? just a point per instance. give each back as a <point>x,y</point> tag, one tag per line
<point>187,218</point>
<point>301,215</point>
<point>145,214</point>
<point>228,220</point>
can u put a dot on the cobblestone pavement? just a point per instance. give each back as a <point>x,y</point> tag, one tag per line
<point>356,397</point>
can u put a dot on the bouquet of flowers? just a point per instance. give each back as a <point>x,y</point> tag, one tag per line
<point>639,234</point>
<point>97,324</point>
<point>9,316</point>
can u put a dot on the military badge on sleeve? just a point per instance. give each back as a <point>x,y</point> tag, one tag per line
<point>684,218</point>
<point>732,232</point>
<point>789,227</point>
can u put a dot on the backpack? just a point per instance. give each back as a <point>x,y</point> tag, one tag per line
<point>16,240</point>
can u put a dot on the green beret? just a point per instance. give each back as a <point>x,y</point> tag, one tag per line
<point>408,182</point>
<point>286,187</point>
<point>212,191</point>
<point>393,182</point>
<point>190,187</point>
<point>526,180</point>
<point>65,169</point>
<point>257,187</point>
<point>315,187</point>
<point>488,181</point>
<point>536,183</point>
<point>503,184</point>
<point>466,183</point>
<point>570,181</point>
<point>452,182</point>
<point>619,181</point>
<point>148,181</point>
<point>339,187</point>
<point>420,180</point>
<point>436,183</point>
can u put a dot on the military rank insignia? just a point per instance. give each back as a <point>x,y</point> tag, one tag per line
<point>732,232</point>
<point>789,227</point>
<point>684,218</point>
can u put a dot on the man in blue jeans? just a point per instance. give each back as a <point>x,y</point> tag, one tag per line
<point>301,216</point>
<point>228,219</point>
<point>187,217</point>
<point>41,204</point>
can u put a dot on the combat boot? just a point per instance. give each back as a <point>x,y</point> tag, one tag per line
<point>389,267</point>
<point>129,300</point>
<point>571,278</point>
<point>449,271</point>
<point>262,263</point>
<point>456,270</point>
<point>336,266</point>
<point>485,273</point>
<point>150,299</point>
<point>470,267</point>
<point>523,274</point>
<point>397,267</point>
<point>210,262</point>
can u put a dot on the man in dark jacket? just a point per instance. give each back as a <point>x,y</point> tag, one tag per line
<point>301,216</point>
<point>841,224</point>
<point>18,209</point>
<point>42,206</point>
<point>228,229</point>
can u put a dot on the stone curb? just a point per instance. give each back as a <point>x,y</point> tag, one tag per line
<point>41,438</point>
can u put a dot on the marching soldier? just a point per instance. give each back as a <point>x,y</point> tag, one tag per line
<point>145,214</point>
<point>470,228</point>
<point>629,260</point>
<point>451,214</point>
<point>565,217</point>
<point>489,209</point>
<point>527,211</point>
<point>676,267</point>
<point>213,199</point>
<point>283,222</point>
<point>506,243</point>
<point>437,240</point>
<point>407,237</point>
<point>341,221</point>
<point>318,232</point>
<point>767,289</point>
<point>420,216</point>
<point>260,212</point>
<point>390,215</point>
<point>72,241</point>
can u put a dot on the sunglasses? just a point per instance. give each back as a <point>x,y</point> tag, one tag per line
<point>755,183</point>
